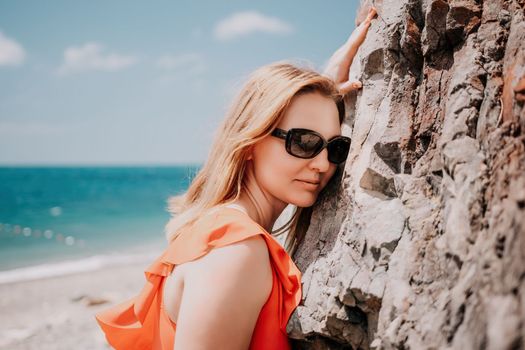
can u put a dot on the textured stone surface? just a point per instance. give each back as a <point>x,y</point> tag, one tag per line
<point>422,244</point>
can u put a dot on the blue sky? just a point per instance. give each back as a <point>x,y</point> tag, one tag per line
<point>136,82</point>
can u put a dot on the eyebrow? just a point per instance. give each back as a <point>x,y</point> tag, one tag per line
<point>327,139</point>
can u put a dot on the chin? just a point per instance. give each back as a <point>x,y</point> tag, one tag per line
<point>303,201</point>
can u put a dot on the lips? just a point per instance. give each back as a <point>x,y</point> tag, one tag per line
<point>313,182</point>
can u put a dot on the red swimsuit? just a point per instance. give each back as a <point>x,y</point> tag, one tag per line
<point>142,323</point>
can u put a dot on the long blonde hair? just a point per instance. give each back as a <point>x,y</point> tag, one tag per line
<point>253,115</point>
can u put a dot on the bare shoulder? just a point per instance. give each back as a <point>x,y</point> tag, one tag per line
<point>224,292</point>
<point>247,259</point>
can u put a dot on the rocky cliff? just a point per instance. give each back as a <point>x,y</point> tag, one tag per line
<point>421,244</point>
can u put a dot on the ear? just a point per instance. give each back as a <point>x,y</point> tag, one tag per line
<point>249,153</point>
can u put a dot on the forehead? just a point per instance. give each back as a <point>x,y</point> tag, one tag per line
<point>312,111</point>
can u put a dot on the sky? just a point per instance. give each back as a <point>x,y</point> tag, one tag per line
<point>142,83</point>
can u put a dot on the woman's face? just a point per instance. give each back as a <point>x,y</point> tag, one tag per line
<point>282,175</point>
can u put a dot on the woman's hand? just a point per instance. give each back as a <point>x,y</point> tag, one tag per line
<point>338,67</point>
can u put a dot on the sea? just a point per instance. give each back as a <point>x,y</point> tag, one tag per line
<point>60,220</point>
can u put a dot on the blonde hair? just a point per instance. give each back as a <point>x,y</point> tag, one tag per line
<point>253,115</point>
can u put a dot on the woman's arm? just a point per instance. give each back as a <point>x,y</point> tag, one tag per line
<point>224,292</point>
<point>338,66</point>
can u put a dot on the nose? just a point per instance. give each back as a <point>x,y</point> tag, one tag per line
<point>320,161</point>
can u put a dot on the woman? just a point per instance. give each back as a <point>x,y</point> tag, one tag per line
<point>224,282</point>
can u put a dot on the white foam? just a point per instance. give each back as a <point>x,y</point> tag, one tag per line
<point>67,267</point>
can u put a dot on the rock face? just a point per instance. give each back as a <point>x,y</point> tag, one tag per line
<point>421,244</point>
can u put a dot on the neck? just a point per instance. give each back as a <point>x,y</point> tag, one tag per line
<point>261,206</point>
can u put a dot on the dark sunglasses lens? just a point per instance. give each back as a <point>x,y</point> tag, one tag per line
<point>338,150</point>
<point>304,144</point>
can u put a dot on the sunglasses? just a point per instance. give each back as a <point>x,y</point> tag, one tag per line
<point>305,143</point>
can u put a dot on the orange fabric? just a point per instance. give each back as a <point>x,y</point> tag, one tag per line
<point>142,323</point>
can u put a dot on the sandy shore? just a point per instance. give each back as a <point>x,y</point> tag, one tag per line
<point>58,312</point>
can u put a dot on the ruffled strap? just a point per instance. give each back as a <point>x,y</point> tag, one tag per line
<point>133,324</point>
<point>228,226</point>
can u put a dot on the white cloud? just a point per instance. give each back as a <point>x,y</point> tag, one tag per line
<point>11,52</point>
<point>90,57</point>
<point>188,62</point>
<point>248,22</point>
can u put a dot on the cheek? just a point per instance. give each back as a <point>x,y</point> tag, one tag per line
<point>275,171</point>
<point>274,168</point>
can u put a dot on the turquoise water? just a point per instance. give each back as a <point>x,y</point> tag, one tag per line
<point>54,214</point>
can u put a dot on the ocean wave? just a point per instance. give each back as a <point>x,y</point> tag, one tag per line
<point>67,267</point>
